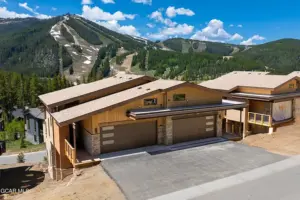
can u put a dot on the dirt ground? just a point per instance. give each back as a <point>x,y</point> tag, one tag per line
<point>92,184</point>
<point>285,141</point>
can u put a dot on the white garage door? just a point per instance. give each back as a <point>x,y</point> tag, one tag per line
<point>282,110</point>
<point>297,108</point>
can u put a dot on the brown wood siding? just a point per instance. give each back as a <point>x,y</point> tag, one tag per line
<point>128,136</point>
<point>194,128</point>
<point>285,88</point>
<point>253,90</point>
<point>119,114</point>
<point>60,134</point>
<point>260,107</point>
<point>194,96</point>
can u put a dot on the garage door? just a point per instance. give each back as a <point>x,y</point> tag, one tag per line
<point>195,128</point>
<point>127,136</point>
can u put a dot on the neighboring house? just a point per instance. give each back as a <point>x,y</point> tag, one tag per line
<point>34,120</point>
<point>125,112</point>
<point>274,100</point>
<point>18,114</point>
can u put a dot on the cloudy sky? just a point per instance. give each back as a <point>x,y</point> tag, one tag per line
<point>239,22</point>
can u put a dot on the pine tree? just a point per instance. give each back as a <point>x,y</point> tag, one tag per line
<point>34,91</point>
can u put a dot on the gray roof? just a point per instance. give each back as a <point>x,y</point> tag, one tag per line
<point>36,112</point>
<point>95,106</point>
<point>84,89</point>
<point>230,81</point>
<point>18,113</point>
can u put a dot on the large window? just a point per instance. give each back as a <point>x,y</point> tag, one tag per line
<point>150,102</point>
<point>179,97</point>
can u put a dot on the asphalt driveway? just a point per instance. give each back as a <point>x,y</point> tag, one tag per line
<point>144,175</point>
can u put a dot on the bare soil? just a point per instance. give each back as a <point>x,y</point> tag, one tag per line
<point>91,183</point>
<point>285,141</point>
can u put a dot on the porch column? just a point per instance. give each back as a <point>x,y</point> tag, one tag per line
<point>246,124</point>
<point>74,141</point>
<point>240,125</point>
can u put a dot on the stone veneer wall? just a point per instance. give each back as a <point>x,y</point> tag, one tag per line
<point>160,134</point>
<point>91,143</point>
<point>168,139</point>
<point>219,121</point>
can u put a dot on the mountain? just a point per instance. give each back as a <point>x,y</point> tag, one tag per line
<point>280,56</point>
<point>190,46</point>
<point>83,50</point>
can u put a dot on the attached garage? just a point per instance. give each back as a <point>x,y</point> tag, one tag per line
<point>194,128</point>
<point>297,109</point>
<point>128,136</point>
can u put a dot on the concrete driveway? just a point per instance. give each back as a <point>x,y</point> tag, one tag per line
<point>144,175</point>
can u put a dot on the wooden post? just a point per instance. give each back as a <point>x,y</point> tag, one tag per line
<point>74,140</point>
<point>240,126</point>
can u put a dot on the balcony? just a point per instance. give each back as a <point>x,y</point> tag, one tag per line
<point>70,152</point>
<point>259,119</point>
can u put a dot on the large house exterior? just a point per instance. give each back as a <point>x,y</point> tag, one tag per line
<point>125,112</point>
<point>273,100</point>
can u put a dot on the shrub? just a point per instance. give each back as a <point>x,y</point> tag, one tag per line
<point>22,142</point>
<point>21,157</point>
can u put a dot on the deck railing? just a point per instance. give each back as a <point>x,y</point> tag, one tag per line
<point>70,152</point>
<point>260,119</point>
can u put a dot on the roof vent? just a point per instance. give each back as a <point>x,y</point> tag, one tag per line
<point>148,89</point>
<point>139,88</point>
<point>130,78</point>
<point>235,73</point>
<point>249,73</point>
<point>120,77</point>
<point>259,73</point>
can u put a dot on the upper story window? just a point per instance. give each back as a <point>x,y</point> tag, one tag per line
<point>150,102</point>
<point>292,85</point>
<point>179,97</point>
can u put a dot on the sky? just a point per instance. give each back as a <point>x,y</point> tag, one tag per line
<point>238,22</point>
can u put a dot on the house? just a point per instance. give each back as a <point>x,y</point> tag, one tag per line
<point>273,100</point>
<point>34,120</point>
<point>125,112</point>
<point>17,114</point>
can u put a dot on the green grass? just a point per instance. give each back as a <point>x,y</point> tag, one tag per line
<point>14,147</point>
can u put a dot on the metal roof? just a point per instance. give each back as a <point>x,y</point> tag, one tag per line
<point>230,81</point>
<point>74,92</point>
<point>92,107</point>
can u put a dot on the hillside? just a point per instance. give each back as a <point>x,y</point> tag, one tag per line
<point>190,46</point>
<point>83,50</point>
<point>280,57</point>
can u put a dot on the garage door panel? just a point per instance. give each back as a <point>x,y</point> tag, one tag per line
<point>196,128</point>
<point>128,136</point>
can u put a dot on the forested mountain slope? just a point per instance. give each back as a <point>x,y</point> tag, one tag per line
<point>83,50</point>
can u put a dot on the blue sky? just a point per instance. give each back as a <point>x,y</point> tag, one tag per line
<point>239,22</point>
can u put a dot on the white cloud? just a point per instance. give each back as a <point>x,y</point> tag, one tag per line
<point>108,1</point>
<point>115,26</point>
<point>180,29</point>
<point>231,25</point>
<point>172,11</point>
<point>150,25</point>
<point>240,26</point>
<point>158,17</point>
<point>86,2</point>
<point>214,31</point>
<point>97,14</point>
<point>236,36</point>
<point>4,13</point>
<point>250,41</point>
<point>33,11</point>
<point>54,9</point>
<point>149,2</point>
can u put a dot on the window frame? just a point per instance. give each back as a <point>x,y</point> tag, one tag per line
<point>153,103</point>
<point>176,97</point>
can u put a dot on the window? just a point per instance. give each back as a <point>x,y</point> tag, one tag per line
<point>34,126</point>
<point>150,102</point>
<point>34,137</point>
<point>28,123</point>
<point>179,97</point>
<point>292,85</point>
